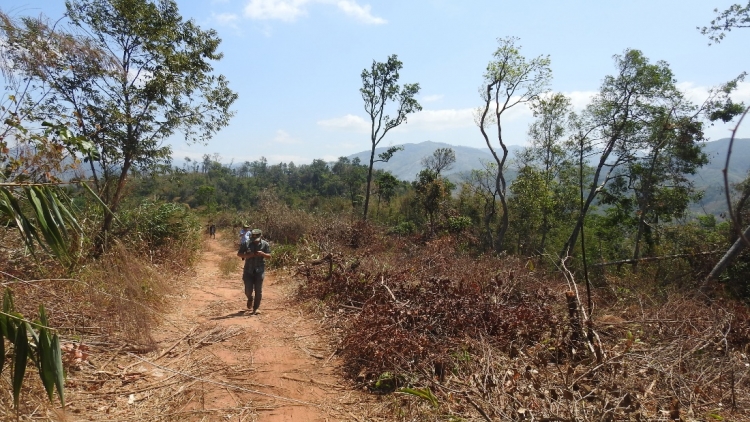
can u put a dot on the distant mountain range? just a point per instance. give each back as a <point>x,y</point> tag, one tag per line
<point>710,178</point>
<point>406,164</point>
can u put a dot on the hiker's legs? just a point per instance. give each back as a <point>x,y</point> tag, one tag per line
<point>247,279</point>
<point>258,285</point>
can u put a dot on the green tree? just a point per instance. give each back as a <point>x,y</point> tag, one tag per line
<point>432,193</point>
<point>206,195</point>
<point>37,148</point>
<point>530,202</point>
<point>510,80</point>
<point>482,184</point>
<point>441,159</point>
<point>550,153</point>
<point>639,113</point>
<point>154,80</point>
<point>379,88</point>
<point>661,189</point>
<point>386,184</point>
<point>735,16</point>
<point>352,176</point>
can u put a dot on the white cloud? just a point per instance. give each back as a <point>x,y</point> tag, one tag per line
<point>580,99</point>
<point>291,10</point>
<point>432,98</point>
<point>349,146</point>
<point>139,77</point>
<point>742,93</point>
<point>693,92</point>
<point>361,13</point>
<point>517,112</point>
<point>425,120</point>
<point>226,19</point>
<point>718,129</point>
<point>441,119</point>
<point>285,10</point>
<point>349,122</point>
<point>698,94</point>
<point>282,137</point>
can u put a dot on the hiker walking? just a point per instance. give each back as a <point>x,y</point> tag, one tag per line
<point>244,232</point>
<point>212,231</point>
<point>254,250</point>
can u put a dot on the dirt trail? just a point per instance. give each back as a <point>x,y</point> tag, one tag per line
<point>216,362</point>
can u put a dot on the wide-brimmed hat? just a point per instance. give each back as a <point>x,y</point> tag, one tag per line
<point>256,232</point>
<point>245,225</point>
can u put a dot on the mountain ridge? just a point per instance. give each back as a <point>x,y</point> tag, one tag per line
<point>406,164</point>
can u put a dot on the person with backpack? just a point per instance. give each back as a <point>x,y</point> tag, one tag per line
<point>254,250</point>
<point>244,231</point>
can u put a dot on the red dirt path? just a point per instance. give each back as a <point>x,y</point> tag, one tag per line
<point>215,362</point>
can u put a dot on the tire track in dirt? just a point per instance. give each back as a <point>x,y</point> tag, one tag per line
<point>269,367</point>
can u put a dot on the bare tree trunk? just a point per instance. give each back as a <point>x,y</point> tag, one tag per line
<point>728,257</point>
<point>108,216</point>
<point>504,223</point>
<point>369,181</point>
<point>488,214</point>
<point>638,235</point>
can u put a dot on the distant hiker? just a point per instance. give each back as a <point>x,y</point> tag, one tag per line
<point>254,251</point>
<point>243,232</point>
<point>212,231</point>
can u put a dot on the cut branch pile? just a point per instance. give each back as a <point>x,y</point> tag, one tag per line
<point>496,341</point>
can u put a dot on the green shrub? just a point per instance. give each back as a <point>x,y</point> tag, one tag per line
<point>163,231</point>
<point>284,256</point>
<point>403,228</point>
<point>458,224</point>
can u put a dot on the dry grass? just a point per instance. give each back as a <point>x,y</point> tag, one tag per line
<point>649,353</point>
<point>228,266</point>
<point>110,304</point>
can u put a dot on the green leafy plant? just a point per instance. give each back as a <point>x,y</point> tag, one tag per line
<point>42,347</point>
<point>422,393</point>
<point>404,228</point>
<point>46,223</point>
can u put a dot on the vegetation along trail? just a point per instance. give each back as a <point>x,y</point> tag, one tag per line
<point>214,361</point>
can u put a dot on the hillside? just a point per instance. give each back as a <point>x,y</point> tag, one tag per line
<point>407,163</point>
<point>710,178</point>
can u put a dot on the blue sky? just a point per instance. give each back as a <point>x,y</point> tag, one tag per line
<point>296,64</point>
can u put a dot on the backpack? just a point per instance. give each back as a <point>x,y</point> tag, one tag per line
<point>244,244</point>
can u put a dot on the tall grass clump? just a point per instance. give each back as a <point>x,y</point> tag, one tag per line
<point>228,265</point>
<point>118,295</point>
<point>124,294</point>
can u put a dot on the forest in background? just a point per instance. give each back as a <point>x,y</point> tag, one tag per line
<point>543,295</point>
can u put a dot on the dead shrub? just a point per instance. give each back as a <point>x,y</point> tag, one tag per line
<point>278,221</point>
<point>490,335</point>
<point>419,306</point>
<point>229,265</point>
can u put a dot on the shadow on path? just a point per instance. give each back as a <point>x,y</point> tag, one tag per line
<point>234,315</point>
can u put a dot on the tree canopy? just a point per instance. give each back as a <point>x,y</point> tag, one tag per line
<point>147,75</point>
<point>379,89</point>
<point>509,80</point>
